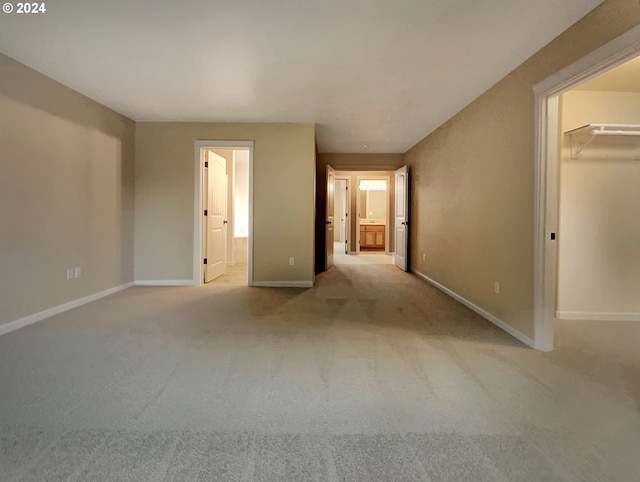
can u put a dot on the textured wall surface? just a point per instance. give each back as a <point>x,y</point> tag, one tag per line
<point>472,197</point>
<point>66,194</point>
<point>283,197</point>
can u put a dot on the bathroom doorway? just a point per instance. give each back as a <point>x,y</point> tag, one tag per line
<point>373,214</point>
<point>223,208</point>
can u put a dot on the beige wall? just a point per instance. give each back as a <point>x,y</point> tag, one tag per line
<point>283,189</point>
<point>340,209</point>
<point>472,180</point>
<point>599,233</point>
<point>66,193</point>
<point>360,162</point>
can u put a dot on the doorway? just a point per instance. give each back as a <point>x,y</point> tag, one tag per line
<point>372,221</point>
<point>599,198</point>
<point>223,213</point>
<point>549,141</point>
<point>375,228</point>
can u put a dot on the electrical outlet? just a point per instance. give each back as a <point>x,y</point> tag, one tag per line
<point>292,261</point>
<point>69,274</point>
<point>496,287</point>
<point>424,256</point>
<point>77,272</point>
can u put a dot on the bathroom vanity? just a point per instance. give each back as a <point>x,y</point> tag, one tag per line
<point>372,235</point>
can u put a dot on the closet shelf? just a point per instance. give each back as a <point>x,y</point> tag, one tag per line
<point>607,130</point>
<point>582,136</point>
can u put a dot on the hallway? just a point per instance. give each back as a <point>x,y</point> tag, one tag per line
<point>372,375</point>
<point>364,257</point>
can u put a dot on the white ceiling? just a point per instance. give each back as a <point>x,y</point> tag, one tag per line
<point>379,73</point>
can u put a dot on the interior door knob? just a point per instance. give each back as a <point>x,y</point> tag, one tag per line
<point>225,221</point>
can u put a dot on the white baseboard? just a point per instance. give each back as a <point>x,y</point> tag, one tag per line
<point>283,284</point>
<point>485,314</point>
<point>36,317</point>
<point>164,282</point>
<point>597,316</point>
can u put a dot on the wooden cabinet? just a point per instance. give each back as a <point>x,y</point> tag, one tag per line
<point>372,236</point>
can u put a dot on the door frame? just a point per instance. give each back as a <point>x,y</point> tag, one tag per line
<point>329,218</point>
<point>546,158</point>
<point>357,218</point>
<point>198,205</point>
<point>347,223</point>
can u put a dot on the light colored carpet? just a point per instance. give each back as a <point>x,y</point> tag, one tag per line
<point>371,376</point>
<point>362,258</point>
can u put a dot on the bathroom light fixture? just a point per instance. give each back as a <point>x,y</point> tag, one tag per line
<point>373,185</point>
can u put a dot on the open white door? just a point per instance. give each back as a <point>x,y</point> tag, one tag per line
<point>216,211</point>
<point>401,235</point>
<point>329,234</point>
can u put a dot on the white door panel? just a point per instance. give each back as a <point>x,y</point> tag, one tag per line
<point>216,215</point>
<point>401,239</point>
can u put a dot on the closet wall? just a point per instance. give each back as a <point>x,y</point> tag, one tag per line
<point>599,235</point>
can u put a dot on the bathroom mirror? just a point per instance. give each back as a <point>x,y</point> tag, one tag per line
<point>373,199</point>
